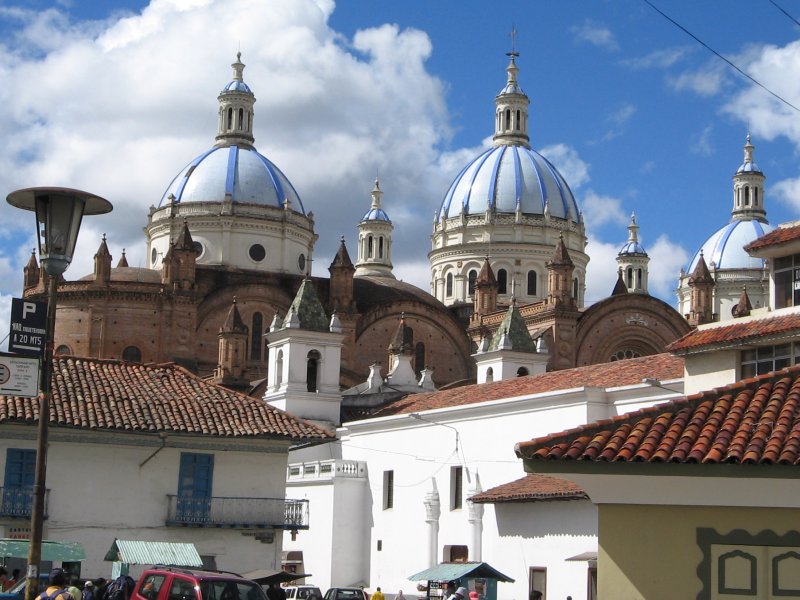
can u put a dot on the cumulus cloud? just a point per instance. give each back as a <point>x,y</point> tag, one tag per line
<point>701,142</point>
<point>599,210</point>
<point>788,192</point>
<point>706,81</point>
<point>595,34</point>
<point>602,272</point>
<point>566,159</point>
<point>666,259</point>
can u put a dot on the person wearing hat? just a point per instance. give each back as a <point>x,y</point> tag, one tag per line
<point>461,593</point>
<point>88,590</point>
<point>56,591</point>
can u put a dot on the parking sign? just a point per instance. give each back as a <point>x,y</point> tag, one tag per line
<point>28,327</point>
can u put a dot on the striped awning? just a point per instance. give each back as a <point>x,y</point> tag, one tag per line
<point>51,551</point>
<point>173,554</point>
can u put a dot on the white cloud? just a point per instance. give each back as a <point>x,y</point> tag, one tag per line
<point>5,321</point>
<point>595,34</point>
<point>659,59</point>
<point>601,274</point>
<point>622,115</point>
<point>571,166</point>
<point>707,81</point>
<point>666,260</point>
<point>787,191</point>
<point>701,143</point>
<point>599,210</point>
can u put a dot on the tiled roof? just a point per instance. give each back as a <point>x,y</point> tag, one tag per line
<point>755,421</point>
<point>114,395</point>
<point>531,488</point>
<point>737,333</point>
<point>613,374</point>
<point>777,236</point>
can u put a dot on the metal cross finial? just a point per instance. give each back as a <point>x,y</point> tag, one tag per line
<point>513,34</point>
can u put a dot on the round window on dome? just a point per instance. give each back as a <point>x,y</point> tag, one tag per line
<point>301,262</point>
<point>198,247</point>
<point>154,257</point>
<point>257,252</point>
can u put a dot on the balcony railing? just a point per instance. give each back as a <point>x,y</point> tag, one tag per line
<point>240,513</point>
<point>16,502</point>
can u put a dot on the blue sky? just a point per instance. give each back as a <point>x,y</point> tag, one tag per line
<point>115,97</point>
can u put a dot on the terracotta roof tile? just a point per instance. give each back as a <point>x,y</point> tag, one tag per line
<point>736,334</point>
<point>754,421</point>
<point>115,395</point>
<point>780,235</point>
<point>612,374</point>
<point>530,488</point>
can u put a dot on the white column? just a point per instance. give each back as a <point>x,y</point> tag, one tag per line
<point>432,512</point>
<point>475,518</point>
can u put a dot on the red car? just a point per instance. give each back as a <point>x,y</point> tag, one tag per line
<point>173,583</point>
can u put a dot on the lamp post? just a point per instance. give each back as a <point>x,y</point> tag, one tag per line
<point>58,212</point>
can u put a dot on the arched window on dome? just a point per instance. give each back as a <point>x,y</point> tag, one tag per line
<point>449,285</point>
<point>369,246</point>
<point>575,288</point>
<point>508,119</point>
<point>502,281</point>
<point>380,247</point>
<point>531,283</point>
<point>230,119</point>
<point>747,195</point>
<point>241,118</point>
<point>419,357</point>
<point>630,277</point>
<point>755,196</point>
<point>312,371</point>
<point>516,124</point>
<point>471,279</point>
<point>255,336</point>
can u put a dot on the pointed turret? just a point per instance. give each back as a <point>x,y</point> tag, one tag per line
<point>306,311</point>
<point>633,260</point>
<point>401,374</point>
<point>375,240</point>
<point>485,290</point>
<point>31,272</point>
<point>701,283</point>
<point>341,283</point>
<point>748,188</point>
<point>232,349</point>
<point>619,287</point>
<point>511,109</point>
<point>102,263</point>
<point>236,102</point>
<point>743,307</point>
<point>178,269</point>
<point>123,262</point>
<point>559,275</point>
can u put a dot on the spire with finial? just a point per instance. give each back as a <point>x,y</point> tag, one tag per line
<point>236,102</point>
<point>123,262</point>
<point>31,271</point>
<point>748,188</point>
<point>511,105</point>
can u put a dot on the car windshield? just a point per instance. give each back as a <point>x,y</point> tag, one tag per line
<point>348,594</point>
<point>306,592</point>
<point>230,590</point>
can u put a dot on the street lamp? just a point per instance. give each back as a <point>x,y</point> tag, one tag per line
<point>59,212</point>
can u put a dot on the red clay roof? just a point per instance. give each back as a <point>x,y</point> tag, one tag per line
<point>613,374</point>
<point>531,488</point>
<point>737,333</point>
<point>115,395</point>
<point>775,237</point>
<point>755,421</point>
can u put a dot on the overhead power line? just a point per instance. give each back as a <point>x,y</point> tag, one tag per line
<point>710,49</point>
<point>780,8</point>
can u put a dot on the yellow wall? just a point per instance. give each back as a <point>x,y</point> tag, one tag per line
<point>651,552</point>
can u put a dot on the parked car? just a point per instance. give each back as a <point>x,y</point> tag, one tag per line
<point>172,583</point>
<point>346,593</point>
<point>301,592</point>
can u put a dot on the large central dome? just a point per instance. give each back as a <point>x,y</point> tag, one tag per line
<point>508,179</point>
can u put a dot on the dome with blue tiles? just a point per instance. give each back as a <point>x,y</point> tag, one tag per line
<point>633,246</point>
<point>725,247</point>
<point>233,170</point>
<point>748,166</point>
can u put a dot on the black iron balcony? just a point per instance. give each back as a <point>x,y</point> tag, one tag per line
<point>16,502</point>
<point>238,513</point>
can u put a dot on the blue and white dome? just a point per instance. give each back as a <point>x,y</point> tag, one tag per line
<point>375,214</point>
<point>237,86</point>
<point>506,178</point>
<point>725,248</point>
<point>632,248</point>
<point>235,173</point>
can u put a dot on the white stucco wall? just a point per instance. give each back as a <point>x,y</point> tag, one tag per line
<point>99,492</point>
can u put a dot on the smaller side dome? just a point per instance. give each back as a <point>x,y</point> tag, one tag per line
<point>725,247</point>
<point>749,165</point>
<point>633,245</point>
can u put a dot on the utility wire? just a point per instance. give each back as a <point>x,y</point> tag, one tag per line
<point>780,8</point>
<point>710,49</point>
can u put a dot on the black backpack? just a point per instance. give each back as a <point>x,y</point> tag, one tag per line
<point>56,594</point>
<point>120,589</point>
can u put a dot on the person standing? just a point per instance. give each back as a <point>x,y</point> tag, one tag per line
<point>378,595</point>
<point>73,588</point>
<point>88,590</point>
<point>56,590</point>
